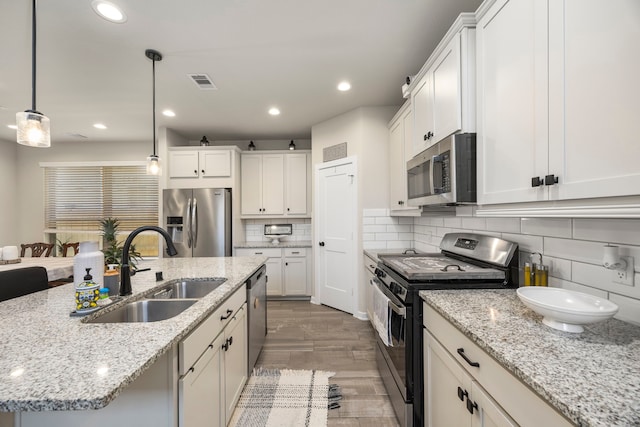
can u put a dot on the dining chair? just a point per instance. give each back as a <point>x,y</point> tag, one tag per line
<point>67,246</point>
<point>37,249</point>
<point>22,281</point>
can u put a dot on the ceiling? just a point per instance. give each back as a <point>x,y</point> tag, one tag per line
<point>285,53</point>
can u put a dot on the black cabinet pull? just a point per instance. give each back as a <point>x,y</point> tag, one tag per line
<point>286,264</point>
<point>288,210</point>
<point>429,135</point>
<point>230,341</point>
<point>550,179</point>
<point>471,406</point>
<point>225,346</point>
<point>425,137</point>
<point>202,171</point>
<point>192,369</point>
<point>462,394</point>
<point>229,313</point>
<point>466,359</point>
<point>195,172</point>
<point>536,181</point>
<point>321,243</point>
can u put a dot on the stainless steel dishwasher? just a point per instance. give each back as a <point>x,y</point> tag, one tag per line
<point>257,314</point>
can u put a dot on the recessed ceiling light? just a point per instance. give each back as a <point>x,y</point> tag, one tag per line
<point>344,86</point>
<point>169,113</point>
<point>274,111</point>
<point>99,126</point>
<point>109,11</point>
<point>14,127</point>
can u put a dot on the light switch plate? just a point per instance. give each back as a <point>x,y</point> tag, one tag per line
<point>624,277</point>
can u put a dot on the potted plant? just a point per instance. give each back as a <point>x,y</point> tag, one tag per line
<point>111,248</point>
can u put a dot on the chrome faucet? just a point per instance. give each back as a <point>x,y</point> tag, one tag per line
<point>125,273</point>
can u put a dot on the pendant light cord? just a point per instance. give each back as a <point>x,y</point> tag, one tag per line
<point>33,57</point>
<point>153,65</point>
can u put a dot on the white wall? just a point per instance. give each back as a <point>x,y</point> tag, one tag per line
<point>367,136</point>
<point>9,190</point>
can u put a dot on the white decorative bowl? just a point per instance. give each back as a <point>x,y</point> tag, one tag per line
<point>566,310</point>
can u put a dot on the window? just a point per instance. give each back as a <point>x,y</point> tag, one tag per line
<point>79,196</point>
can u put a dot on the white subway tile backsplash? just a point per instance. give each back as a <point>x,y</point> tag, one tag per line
<point>505,225</point>
<point>375,212</point>
<point>601,278</point>
<point>452,222</point>
<point>626,231</point>
<point>386,236</point>
<point>367,220</point>
<point>374,245</point>
<point>374,228</point>
<point>397,228</point>
<point>474,223</point>
<point>554,227</point>
<point>629,308</point>
<point>565,284</point>
<point>400,244</point>
<point>405,236</point>
<point>575,250</point>
<point>525,243</point>
<point>384,220</point>
<point>405,220</point>
<point>558,267</point>
<point>368,236</point>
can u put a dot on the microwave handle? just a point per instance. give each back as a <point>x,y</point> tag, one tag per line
<point>437,163</point>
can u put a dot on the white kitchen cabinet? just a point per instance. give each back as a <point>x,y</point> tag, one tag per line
<point>400,131</point>
<point>442,100</point>
<point>275,184</point>
<point>288,270</point>
<point>234,360</point>
<point>369,273</point>
<point>490,394</point>
<point>555,116</point>
<point>199,163</point>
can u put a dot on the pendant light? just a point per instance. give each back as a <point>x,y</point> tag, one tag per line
<point>292,146</point>
<point>153,161</point>
<point>252,146</point>
<point>33,126</point>
<point>204,142</point>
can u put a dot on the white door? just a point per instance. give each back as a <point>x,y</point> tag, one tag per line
<point>336,203</point>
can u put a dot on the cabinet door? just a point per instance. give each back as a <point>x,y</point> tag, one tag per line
<point>397,176</point>
<point>273,184</point>
<point>369,268</point>
<point>215,164</point>
<point>235,360</point>
<point>445,382</point>
<point>200,390</point>
<point>511,42</point>
<point>296,184</point>
<point>295,276</point>
<point>251,193</point>
<point>488,413</point>
<point>422,104</point>
<point>183,164</point>
<point>594,90</point>
<point>274,276</point>
<point>447,98</point>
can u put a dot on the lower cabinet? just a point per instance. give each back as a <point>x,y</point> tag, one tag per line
<point>369,273</point>
<point>288,270</point>
<point>464,386</point>
<point>234,361</point>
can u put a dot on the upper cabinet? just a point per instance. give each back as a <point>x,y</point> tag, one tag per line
<point>557,100</point>
<point>191,167</point>
<point>400,150</point>
<point>275,184</point>
<point>443,99</point>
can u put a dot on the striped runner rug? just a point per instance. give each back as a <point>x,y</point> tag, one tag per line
<point>286,397</point>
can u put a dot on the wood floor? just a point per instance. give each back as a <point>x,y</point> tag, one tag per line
<point>302,335</point>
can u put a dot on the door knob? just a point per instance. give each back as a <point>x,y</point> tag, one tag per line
<point>321,243</point>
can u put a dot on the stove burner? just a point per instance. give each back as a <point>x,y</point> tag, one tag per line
<point>438,267</point>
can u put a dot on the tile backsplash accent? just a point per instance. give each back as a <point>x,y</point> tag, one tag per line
<point>381,231</point>
<point>254,229</point>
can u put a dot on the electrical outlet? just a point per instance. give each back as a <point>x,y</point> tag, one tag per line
<point>624,277</point>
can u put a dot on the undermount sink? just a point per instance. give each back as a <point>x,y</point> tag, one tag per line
<point>145,311</point>
<point>564,309</point>
<point>187,289</point>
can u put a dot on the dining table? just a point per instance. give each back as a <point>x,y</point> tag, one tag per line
<point>57,267</point>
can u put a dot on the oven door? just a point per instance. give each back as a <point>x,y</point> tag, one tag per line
<point>392,360</point>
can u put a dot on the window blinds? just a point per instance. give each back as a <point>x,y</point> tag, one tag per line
<point>79,197</point>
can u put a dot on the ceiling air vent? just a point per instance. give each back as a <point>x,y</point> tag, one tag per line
<point>202,81</point>
<point>76,135</point>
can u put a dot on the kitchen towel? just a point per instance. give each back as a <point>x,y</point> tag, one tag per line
<point>381,315</point>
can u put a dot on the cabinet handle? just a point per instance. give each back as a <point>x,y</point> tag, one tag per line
<point>471,406</point>
<point>372,266</point>
<point>288,209</point>
<point>295,252</point>
<point>429,135</point>
<point>192,369</point>
<point>536,181</point>
<point>258,253</point>
<point>229,313</point>
<point>321,243</point>
<point>202,171</point>
<point>425,137</point>
<point>286,264</point>
<point>462,394</point>
<point>210,346</point>
<point>195,172</point>
<point>225,346</point>
<point>400,202</point>
<point>550,179</point>
<point>230,340</point>
<point>466,359</point>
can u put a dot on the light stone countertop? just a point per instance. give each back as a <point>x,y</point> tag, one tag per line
<point>282,244</point>
<point>52,361</point>
<point>593,378</point>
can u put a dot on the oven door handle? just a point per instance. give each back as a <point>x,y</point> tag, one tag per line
<point>400,311</point>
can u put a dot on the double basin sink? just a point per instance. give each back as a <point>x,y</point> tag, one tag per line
<point>163,303</point>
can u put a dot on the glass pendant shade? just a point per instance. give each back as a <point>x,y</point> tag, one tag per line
<point>33,129</point>
<point>153,165</point>
<point>292,146</point>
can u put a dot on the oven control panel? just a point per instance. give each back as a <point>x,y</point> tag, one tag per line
<point>466,244</point>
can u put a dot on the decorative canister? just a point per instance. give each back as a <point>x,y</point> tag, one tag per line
<point>89,256</point>
<point>112,279</point>
<point>87,294</point>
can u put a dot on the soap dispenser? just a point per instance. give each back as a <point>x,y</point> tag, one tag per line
<point>539,272</point>
<point>87,294</point>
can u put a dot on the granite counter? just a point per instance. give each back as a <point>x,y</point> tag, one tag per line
<point>593,378</point>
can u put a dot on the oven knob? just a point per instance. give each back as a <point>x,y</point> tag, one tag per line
<point>379,273</point>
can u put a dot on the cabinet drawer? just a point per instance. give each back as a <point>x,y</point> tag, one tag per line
<point>369,264</point>
<point>293,252</point>
<point>268,252</point>
<point>518,400</point>
<point>198,340</point>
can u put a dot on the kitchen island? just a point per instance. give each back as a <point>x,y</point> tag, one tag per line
<point>51,361</point>
<point>592,378</point>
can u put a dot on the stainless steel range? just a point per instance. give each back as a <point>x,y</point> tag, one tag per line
<point>466,261</point>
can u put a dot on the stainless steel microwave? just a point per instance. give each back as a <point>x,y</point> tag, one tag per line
<point>445,173</point>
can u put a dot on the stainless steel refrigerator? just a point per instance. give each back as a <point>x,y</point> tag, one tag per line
<point>199,221</point>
